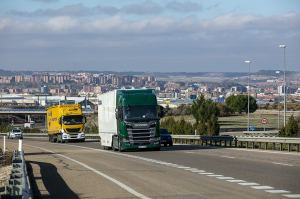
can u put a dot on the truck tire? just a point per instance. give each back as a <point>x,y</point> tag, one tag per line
<point>114,140</point>
<point>59,138</point>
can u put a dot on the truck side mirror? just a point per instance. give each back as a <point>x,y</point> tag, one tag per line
<point>160,111</point>
<point>119,113</point>
<point>84,120</point>
<point>60,120</point>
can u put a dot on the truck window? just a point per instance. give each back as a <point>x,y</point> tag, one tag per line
<point>73,119</point>
<point>140,112</point>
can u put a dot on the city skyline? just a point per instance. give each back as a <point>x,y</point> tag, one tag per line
<point>150,36</point>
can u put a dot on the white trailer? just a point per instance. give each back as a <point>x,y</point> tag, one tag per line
<point>107,122</point>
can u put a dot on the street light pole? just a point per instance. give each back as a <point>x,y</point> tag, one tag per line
<point>284,84</point>
<point>278,120</point>
<point>248,62</point>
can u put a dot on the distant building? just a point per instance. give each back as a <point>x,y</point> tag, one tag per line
<point>44,89</point>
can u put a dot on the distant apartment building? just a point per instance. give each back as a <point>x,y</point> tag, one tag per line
<point>5,79</point>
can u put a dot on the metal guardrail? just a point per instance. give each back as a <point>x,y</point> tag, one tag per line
<point>18,184</point>
<point>267,143</point>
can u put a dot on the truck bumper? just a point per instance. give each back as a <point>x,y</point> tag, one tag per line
<point>128,146</point>
<point>73,136</point>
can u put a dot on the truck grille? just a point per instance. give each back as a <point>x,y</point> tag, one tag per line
<point>140,136</point>
<point>73,129</point>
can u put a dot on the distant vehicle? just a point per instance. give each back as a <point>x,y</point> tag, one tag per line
<point>128,119</point>
<point>165,137</point>
<point>65,122</point>
<point>15,133</point>
<point>29,124</point>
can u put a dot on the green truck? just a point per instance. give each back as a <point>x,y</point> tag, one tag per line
<point>128,119</point>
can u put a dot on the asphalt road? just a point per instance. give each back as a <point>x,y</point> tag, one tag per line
<point>83,170</point>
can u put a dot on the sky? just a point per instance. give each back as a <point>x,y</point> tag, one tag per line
<point>149,35</point>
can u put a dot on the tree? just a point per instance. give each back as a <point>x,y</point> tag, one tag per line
<point>291,129</point>
<point>224,110</point>
<point>177,127</point>
<point>206,115</point>
<point>239,103</point>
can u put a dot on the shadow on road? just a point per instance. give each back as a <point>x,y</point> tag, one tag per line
<point>53,182</point>
<point>40,153</point>
<point>187,147</point>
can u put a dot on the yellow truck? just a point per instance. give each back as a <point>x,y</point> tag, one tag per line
<point>65,122</point>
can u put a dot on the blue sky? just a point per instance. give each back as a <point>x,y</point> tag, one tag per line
<point>148,35</point>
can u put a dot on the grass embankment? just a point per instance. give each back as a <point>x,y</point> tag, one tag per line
<point>241,121</point>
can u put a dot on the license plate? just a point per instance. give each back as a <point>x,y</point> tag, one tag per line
<point>142,147</point>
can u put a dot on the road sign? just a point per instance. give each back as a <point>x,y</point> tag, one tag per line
<point>264,120</point>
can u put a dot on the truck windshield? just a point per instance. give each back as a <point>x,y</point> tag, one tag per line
<point>73,119</point>
<point>140,112</point>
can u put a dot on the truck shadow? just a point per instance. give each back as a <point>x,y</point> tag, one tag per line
<point>179,147</point>
<point>53,182</point>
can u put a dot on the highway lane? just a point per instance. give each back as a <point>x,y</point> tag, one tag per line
<point>272,168</point>
<point>158,179</point>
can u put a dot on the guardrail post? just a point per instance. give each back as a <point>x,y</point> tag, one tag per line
<point>266,145</point>
<point>274,146</point>
<point>253,145</point>
<point>289,147</point>
<point>247,144</point>
<point>20,145</point>
<point>281,145</point>
<point>259,145</point>
<point>4,144</point>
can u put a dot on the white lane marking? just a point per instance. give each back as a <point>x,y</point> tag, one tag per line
<point>264,151</point>
<point>183,167</point>
<point>284,164</point>
<point>225,178</point>
<point>120,184</point>
<point>214,175</point>
<point>189,152</point>
<point>291,195</point>
<point>198,171</point>
<point>205,173</point>
<point>248,184</point>
<point>277,191</point>
<point>236,180</point>
<point>262,187</point>
<point>230,157</point>
<point>190,169</point>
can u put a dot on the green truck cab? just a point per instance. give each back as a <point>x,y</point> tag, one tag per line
<point>128,119</point>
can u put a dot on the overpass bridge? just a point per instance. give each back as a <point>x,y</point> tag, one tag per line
<point>33,111</point>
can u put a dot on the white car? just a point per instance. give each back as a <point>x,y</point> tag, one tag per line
<point>15,133</point>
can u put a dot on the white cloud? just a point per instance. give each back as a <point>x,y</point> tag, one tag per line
<point>4,23</point>
<point>155,40</point>
<point>119,25</point>
<point>61,23</point>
